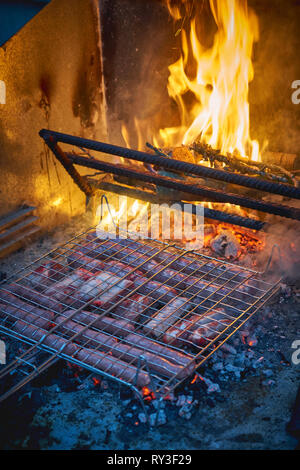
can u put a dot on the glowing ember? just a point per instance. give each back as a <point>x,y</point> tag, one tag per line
<point>148,395</point>
<point>249,241</point>
<point>194,379</point>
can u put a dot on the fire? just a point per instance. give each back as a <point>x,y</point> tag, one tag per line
<point>194,379</point>
<point>96,381</point>
<point>210,85</point>
<point>219,113</point>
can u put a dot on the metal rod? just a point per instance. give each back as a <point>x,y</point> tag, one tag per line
<point>68,166</point>
<point>213,214</point>
<point>205,192</point>
<point>173,164</point>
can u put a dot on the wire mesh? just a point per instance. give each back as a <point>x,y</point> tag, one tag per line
<point>142,312</point>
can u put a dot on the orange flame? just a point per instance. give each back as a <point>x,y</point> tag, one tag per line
<point>219,113</point>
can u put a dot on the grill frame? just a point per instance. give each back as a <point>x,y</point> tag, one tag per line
<point>161,386</point>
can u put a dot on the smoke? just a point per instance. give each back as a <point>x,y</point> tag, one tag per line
<point>286,260</point>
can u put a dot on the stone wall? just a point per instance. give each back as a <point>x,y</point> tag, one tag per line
<point>52,69</point>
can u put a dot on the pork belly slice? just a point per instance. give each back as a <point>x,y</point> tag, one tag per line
<point>105,286</point>
<point>197,329</point>
<point>62,290</point>
<point>166,316</point>
<point>82,286</point>
<point>209,328</point>
<point>132,308</point>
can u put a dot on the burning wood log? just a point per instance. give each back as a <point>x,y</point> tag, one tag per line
<point>153,346</point>
<point>267,170</point>
<point>167,163</point>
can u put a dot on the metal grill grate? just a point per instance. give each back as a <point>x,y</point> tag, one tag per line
<point>143,313</point>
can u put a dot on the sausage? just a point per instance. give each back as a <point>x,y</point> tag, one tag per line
<point>166,316</point>
<point>97,360</point>
<point>113,366</point>
<point>151,345</point>
<point>123,351</point>
<point>32,296</point>
<point>28,313</point>
<point>53,341</point>
<point>111,325</point>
